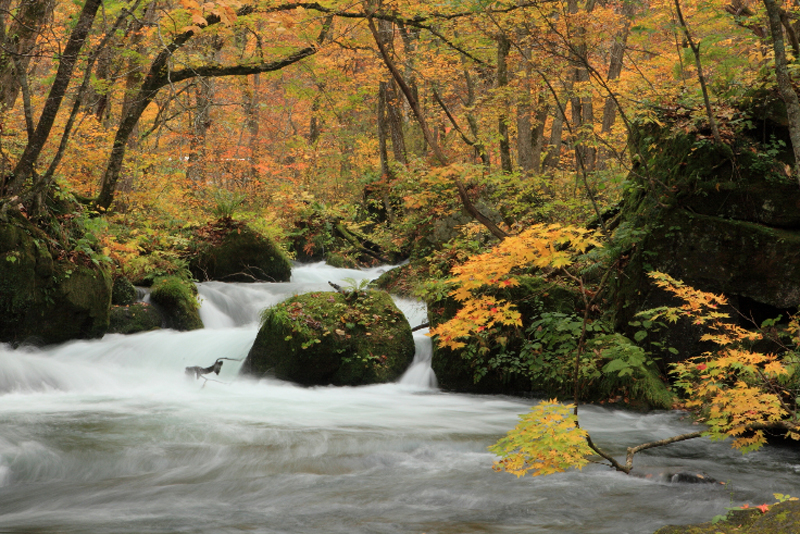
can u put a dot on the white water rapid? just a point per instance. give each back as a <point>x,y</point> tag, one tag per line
<point>109,436</point>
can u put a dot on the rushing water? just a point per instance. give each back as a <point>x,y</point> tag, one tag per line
<point>109,436</point>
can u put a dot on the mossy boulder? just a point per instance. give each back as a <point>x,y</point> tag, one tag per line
<point>123,292</point>
<point>783,518</point>
<point>44,298</point>
<point>349,339</point>
<point>133,318</point>
<point>455,370</point>
<point>177,300</point>
<point>230,251</point>
<point>721,218</point>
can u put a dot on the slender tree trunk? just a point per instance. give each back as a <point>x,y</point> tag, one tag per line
<point>503,48</point>
<point>784,81</point>
<point>134,72</point>
<point>383,130</point>
<point>616,61</point>
<point>582,107</point>
<point>393,106</point>
<point>525,124</point>
<point>201,122</point>
<point>538,137</point>
<point>415,108</point>
<point>553,157</point>
<point>383,135</point>
<point>416,144</point>
<point>394,116</point>
<point>19,39</point>
<point>480,150</point>
<point>700,76</point>
<point>252,101</point>
<point>25,167</point>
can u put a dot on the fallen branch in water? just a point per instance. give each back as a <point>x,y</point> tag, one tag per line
<point>215,368</point>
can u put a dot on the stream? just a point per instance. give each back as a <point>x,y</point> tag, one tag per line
<point>110,436</point>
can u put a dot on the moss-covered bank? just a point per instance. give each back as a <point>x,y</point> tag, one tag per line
<point>783,518</point>
<point>47,298</point>
<point>331,338</point>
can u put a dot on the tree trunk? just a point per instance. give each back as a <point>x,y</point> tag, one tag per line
<point>415,108</point>
<point>525,126</point>
<point>134,73</point>
<point>538,137</point>
<point>19,39</point>
<point>480,150</point>
<point>201,122</point>
<point>25,167</point>
<point>393,106</point>
<point>784,81</point>
<point>503,47</point>
<point>553,157</point>
<point>251,103</point>
<point>582,108</point>
<point>616,60</point>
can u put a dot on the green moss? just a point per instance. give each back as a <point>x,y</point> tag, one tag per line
<point>331,338</point>
<point>177,298</point>
<point>138,317</point>
<point>48,300</point>
<point>233,252</point>
<point>123,292</point>
<point>783,518</point>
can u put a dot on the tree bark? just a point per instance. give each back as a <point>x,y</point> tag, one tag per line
<point>553,157</point>
<point>201,122</point>
<point>784,81</point>
<point>503,48</point>
<point>19,40</point>
<point>251,104</point>
<point>538,137</point>
<point>25,167</point>
<point>616,60</point>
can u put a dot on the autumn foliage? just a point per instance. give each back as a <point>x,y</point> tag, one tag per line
<point>541,246</point>
<point>738,392</point>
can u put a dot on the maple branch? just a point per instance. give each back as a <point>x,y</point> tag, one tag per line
<point>659,443</point>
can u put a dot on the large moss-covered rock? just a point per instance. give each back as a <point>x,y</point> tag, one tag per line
<point>231,252</point>
<point>721,218</point>
<point>138,317</point>
<point>456,371</point>
<point>46,299</point>
<point>332,338</point>
<point>783,518</point>
<point>177,300</point>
